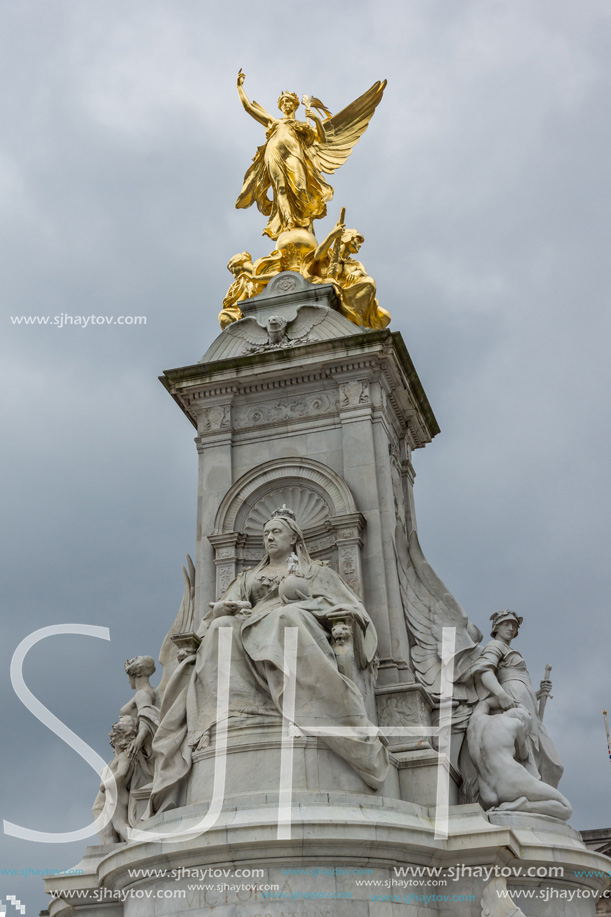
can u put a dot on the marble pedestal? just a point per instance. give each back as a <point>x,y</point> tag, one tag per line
<point>345,853</point>
<point>326,423</point>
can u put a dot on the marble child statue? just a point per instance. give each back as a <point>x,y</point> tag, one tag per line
<point>115,794</point>
<point>286,589</point>
<point>131,739</point>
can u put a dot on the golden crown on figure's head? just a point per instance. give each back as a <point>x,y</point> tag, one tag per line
<point>292,96</point>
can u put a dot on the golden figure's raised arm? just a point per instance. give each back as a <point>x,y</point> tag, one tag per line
<point>255,110</point>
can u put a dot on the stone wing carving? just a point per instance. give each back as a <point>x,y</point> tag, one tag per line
<point>307,318</point>
<point>429,607</point>
<point>183,623</point>
<point>250,331</point>
<point>277,332</point>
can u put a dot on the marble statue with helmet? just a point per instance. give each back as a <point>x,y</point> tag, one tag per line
<point>494,674</point>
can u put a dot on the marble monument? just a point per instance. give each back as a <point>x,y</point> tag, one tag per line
<point>327,711</point>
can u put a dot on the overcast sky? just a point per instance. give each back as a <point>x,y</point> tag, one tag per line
<point>482,189</point>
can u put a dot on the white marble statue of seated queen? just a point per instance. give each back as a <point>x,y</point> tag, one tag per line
<point>286,589</point>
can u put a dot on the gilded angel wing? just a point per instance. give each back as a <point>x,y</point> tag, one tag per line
<point>307,318</point>
<point>344,129</point>
<point>248,330</point>
<point>429,607</point>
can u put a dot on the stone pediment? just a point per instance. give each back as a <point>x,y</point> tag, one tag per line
<point>290,312</point>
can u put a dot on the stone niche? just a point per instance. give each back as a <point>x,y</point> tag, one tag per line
<point>321,501</point>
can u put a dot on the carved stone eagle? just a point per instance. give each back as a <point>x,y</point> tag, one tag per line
<point>277,333</point>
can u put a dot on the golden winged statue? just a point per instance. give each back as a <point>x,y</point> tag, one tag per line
<point>296,154</point>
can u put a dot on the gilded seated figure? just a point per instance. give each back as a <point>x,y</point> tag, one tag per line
<point>333,262</point>
<point>250,279</point>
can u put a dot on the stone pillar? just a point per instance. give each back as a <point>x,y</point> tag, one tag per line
<point>360,474</point>
<point>214,446</point>
<point>226,549</point>
<point>348,529</point>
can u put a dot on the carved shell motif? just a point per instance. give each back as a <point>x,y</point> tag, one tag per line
<point>309,507</point>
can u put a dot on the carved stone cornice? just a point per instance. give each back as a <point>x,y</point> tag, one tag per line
<point>376,355</point>
<point>226,545</point>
